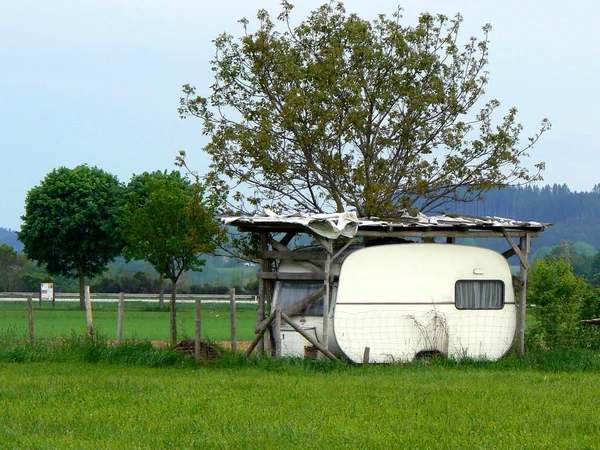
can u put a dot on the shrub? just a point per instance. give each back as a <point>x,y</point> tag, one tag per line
<point>559,298</point>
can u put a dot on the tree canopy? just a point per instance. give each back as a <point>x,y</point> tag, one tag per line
<point>70,222</point>
<point>341,113</point>
<point>169,222</point>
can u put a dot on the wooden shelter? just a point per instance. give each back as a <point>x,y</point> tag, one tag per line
<point>277,231</point>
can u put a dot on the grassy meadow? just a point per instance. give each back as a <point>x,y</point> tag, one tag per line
<point>70,392</point>
<point>274,404</point>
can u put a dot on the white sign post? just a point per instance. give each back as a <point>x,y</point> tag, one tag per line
<point>47,292</point>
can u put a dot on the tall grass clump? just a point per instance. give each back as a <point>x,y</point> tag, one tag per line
<point>89,349</point>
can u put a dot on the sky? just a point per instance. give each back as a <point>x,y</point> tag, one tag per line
<point>99,81</point>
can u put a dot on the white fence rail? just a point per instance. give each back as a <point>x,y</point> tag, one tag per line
<point>110,297</point>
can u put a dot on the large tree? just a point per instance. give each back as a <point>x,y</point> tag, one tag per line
<point>341,113</point>
<point>169,222</point>
<point>70,222</point>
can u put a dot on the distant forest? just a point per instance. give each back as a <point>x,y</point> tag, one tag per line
<point>575,216</point>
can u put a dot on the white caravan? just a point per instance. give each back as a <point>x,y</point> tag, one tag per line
<point>402,300</point>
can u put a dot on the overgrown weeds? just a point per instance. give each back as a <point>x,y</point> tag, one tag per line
<point>82,348</point>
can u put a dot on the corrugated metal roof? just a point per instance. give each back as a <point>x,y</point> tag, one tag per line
<point>348,224</point>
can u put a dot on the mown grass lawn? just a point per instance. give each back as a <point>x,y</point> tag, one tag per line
<point>293,405</point>
<point>141,320</point>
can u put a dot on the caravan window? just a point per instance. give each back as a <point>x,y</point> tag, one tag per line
<point>479,294</point>
<point>292,292</point>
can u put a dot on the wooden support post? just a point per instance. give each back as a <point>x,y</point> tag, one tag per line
<point>120,318</point>
<point>264,267</point>
<point>232,316</point>
<point>198,327</point>
<point>88,312</point>
<point>30,314</point>
<point>524,250</point>
<point>53,297</point>
<point>259,335</point>
<point>366,356</point>
<point>277,330</point>
<point>308,337</point>
<point>326,297</point>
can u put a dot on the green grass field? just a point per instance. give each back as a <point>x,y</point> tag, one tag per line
<point>83,405</point>
<point>142,320</point>
<point>77,393</point>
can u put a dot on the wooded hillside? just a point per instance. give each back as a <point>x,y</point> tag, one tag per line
<point>575,215</point>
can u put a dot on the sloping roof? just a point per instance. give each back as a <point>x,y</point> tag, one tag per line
<point>348,224</point>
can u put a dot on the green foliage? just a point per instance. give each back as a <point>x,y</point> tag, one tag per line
<point>560,300</point>
<point>70,222</point>
<point>340,113</point>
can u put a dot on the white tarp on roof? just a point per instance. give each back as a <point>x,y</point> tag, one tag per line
<point>330,226</point>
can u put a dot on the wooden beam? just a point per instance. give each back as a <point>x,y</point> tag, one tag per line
<point>524,245</point>
<point>326,299</point>
<point>508,253</point>
<point>517,281</point>
<point>306,301</point>
<point>288,238</point>
<point>518,251</point>
<point>303,276</point>
<point>308,337</point>
<point>258,338</point>
<point>325,242</point>
<point>292,255</point>
<point>276,332</point>
<point>282,248</point>
<point>262,291</point>
<point>341,250</point>
<point>441,233</point>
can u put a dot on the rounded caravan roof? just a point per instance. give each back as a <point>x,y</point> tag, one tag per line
<point>399,300</point>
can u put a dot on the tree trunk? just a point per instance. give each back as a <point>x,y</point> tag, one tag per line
<point>81,286</point>
<point>173,314</point>
<point>161,291</point>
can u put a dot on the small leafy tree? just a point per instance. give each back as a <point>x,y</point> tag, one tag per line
<point>341,113</point>
<point>70,222</point>
<point>169,222</point>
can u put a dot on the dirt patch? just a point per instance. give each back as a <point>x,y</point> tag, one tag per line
<point>208,352</point>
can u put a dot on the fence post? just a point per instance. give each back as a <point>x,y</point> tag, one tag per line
<point>524,245</point>
<point>88,312</point>
<point>233,321</point>
<point>366,356</point>
<point>31,329</point>
<point>277,330</point>
<point>198,323</point>
<point>120,317</point>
